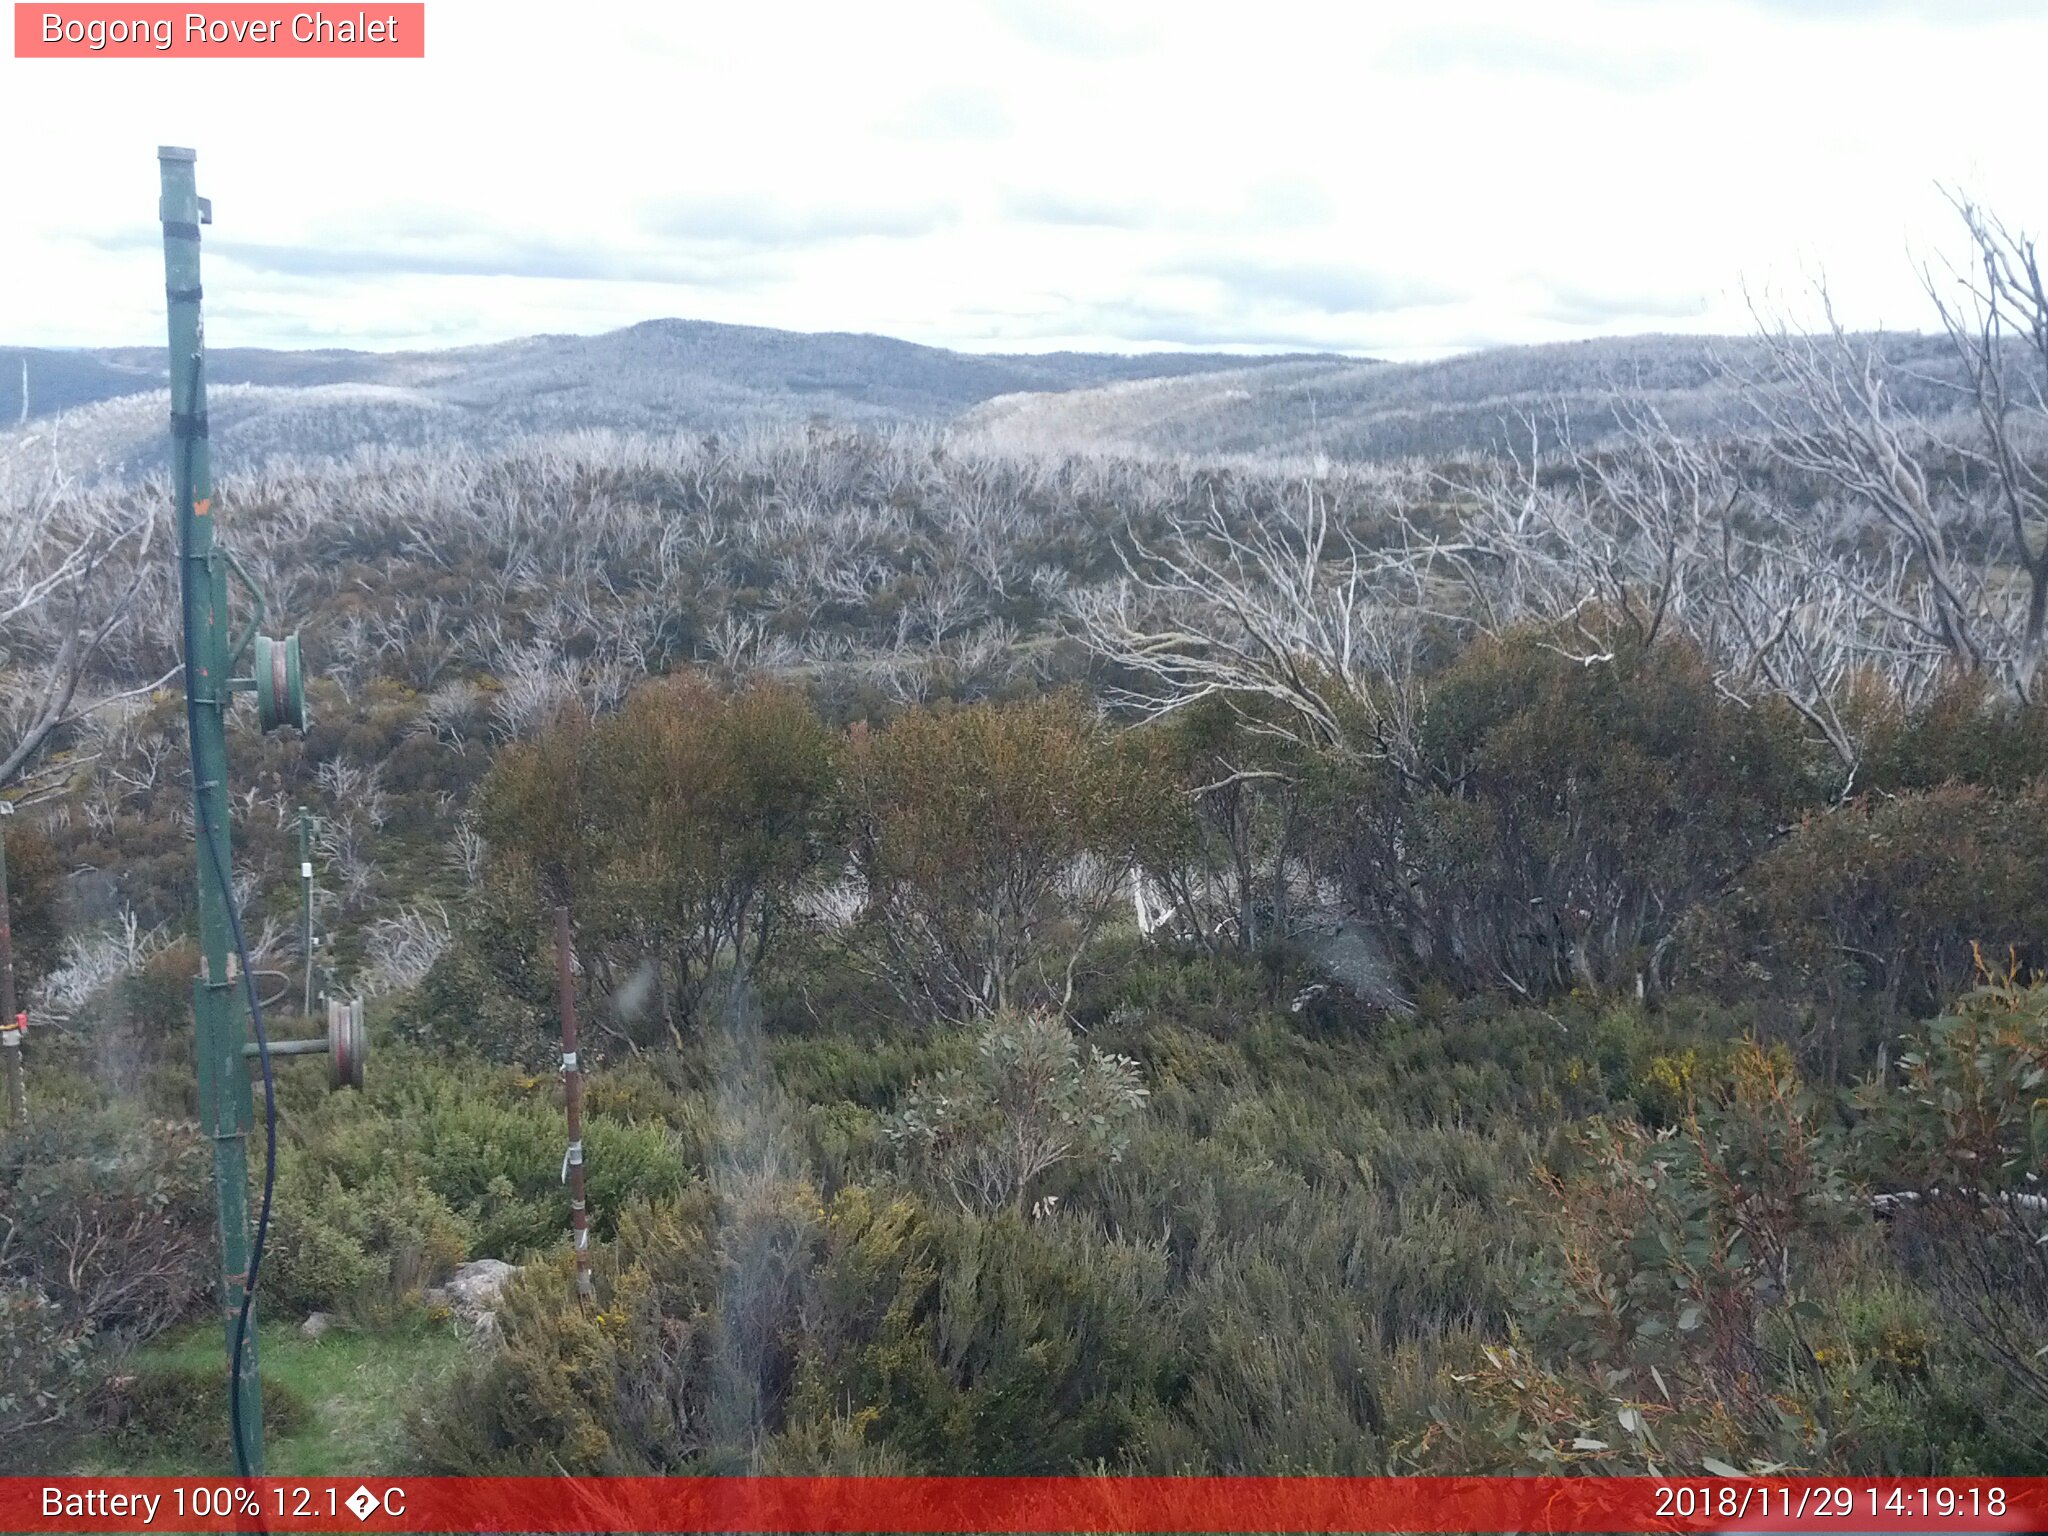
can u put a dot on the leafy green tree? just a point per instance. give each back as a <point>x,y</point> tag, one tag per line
<point>992,843</point>
<point>1888,899</point>
<point>1224,863</point>
<point>1563,814</point>
<point>683,832</point>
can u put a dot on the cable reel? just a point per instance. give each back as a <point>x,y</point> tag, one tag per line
<point>347,1047</point>
<point>280,683</point>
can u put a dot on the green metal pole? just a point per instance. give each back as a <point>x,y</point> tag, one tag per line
<point>306,899</point>
<point>225,1108</point>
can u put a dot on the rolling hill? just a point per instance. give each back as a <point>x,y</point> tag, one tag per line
<point>1476,401</point>
<point>661,375</point>
<point>101,413</point>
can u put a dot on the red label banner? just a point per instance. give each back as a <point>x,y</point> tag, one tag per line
<point>225,31</point>
<point>1024,1504</point>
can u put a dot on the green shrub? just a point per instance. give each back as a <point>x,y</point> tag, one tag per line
<point>1562,816</point>
<point>1959,1131</point>
<point>463,1003</point>
<point>364,1247</point>
<point>46,1367</point>
<point>1888,901</point>
<point>111,1218</point>
<point>1029,1102</point>
<point>486,1143</point>
<point>992,844</point>
<point>181,1410</point>
<point>1964,734</point>
<point>683,831</point>
<point>539,1406</point>
<point>875,1326</point>
<point>1669,1313</point>
<point>992,1347</point>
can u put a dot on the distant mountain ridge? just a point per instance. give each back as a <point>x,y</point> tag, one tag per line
<point>100,410</point>
<point>96,413</point>
<point>657,365</point>
<point>1473,402</point>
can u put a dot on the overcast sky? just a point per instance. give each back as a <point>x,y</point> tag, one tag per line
<point>1395,179</point>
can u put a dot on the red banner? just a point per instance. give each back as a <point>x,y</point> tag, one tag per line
<point>1024,1504</point>
<point>225,31</point>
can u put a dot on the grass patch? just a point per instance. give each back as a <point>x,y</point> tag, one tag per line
<point>342,1400</point>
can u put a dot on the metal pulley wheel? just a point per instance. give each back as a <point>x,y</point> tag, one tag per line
<point>280,683</point>
<point>346,1045</point>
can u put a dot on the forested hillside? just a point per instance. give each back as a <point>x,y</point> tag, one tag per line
<point>1485,401</point>
<point>100,412</point>
<point>1089,960</point>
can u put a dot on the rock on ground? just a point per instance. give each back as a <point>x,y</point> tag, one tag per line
<point>472,1293</point>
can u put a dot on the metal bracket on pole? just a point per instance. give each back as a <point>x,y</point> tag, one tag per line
<point>345,1045</point>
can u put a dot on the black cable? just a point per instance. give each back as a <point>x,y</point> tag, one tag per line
<point>269,1169</point>
<point>205,823</point>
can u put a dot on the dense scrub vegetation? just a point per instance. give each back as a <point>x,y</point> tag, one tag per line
<point>911,1148</point>
<point>1093,963</point>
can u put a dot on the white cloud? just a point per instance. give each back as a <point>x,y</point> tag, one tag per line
<point>1395,179</point>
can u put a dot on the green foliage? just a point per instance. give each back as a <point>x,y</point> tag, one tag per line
<point>35,897</point>
<point>485,992</point>
<point>1888,900</point>
<point>110,1219</point>
<point>953,1345</point>
<point>1030,1102</point>
<point>1220,850</point>
<point>105,1238</point>
<point>358,1247</point>
<point>1561,816</point>
<point>46,1365</point>
<point>992,844</point>
<point>1556,1216</point>
<point>442,1158</point>
<point>1961,1139</point>
<point>1666,1321</point>
<point>682,831</point>
<point>1963,734</point>
<point>995,1347</point>
<point>1969,1109</point>
<point>537,1406</point>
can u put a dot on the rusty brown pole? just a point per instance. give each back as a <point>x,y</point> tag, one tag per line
<point>11,1031</point>
<point>572,1092</point>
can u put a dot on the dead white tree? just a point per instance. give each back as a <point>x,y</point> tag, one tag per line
<point>1285,615</point>
<point>399,949</point>
<point>1791,628</point>
<point>1831,411</point>
<point>72,568</point>
<point>1622,530</point>
<point>1996,314</point>
<point>1658,533</point>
